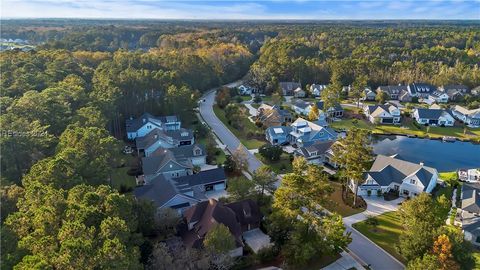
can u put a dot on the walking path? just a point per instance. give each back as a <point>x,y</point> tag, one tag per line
<point>344,263</point>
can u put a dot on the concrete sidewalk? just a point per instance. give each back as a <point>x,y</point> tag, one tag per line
<point>344,263</point>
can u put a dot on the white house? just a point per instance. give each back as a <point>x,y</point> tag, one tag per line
<point>382,114</point>
<point>421,90</point>
<point>299,93</point>
<point>163,139</point>
<point>245,90</point>
<point>393,174</point>
<point>439,97</point>
<point>301,107</point>
<point>470,117</point>
<point>141,126</point>
<point>316,89</point>
<point>433,117</point>
<point>369,94</point>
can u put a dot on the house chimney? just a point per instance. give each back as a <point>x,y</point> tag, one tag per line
<point>421,163</point>
<point>144,120</point>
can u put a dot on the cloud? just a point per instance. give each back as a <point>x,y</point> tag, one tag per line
<point>235,9</point>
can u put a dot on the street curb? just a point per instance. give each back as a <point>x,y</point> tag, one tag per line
<point>391,256</point>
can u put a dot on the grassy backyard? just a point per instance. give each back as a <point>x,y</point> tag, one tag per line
<point>119,175</point>
<point>337,205</point>
<point>408,129</point>
<point>282,166</point>
<point>241,134</point>
<point>386,234</point>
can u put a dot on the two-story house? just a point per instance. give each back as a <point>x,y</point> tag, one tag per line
<point>288,88</point>
<point>277,135</point>
<point>433,117</point>
<point>315,153</point>
<point>139,127</point>
<point>421,90</point>
<point>158,138</point>
<point>317,89</point>
<point>272,116</point>
<point>393,91</point>
<point>305,133</point>
<point>393,174</point>
<point>438,97</point>
<point>382,114</point>
<point>470,117</point>
<point>455,92</point>
<point>470,212</point>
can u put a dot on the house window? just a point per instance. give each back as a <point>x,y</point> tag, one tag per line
<point>413,181</point>
<point>198,152</point>
<point>406,192</point>
<point>478,239</point>
<point>149,126</point>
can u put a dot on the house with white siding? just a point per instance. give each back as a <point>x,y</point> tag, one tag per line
<point>470,117</point>
<point>434,117</point>
<point>141,126</point>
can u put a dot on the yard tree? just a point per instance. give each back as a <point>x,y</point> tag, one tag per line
<point>314,113</point>
<point>427,262</point>
<point>229,165</point>
<point>240,188</point>
<point>219,240</point>
<point>183,258</point>
<point>331,95</point>
<point>270,152</point>
<point>299,165</point>
<point>297,205</point>
<point>462,249</point>
<point>265,180</point>
<point>443,249</point>
<point>382,97</point>
<point>421,219</point>
<point>241,158</point>
<point>160,258</point>
<point>223,97</point>
<point>358,87</point>
<point>166,220</point>
<point>354,155</point>
<point>277,99</point>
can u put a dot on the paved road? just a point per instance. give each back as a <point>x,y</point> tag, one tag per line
<point>222,132</point>
<point>370,253</point>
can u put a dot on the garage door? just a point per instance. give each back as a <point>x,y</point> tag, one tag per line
<point>387,120</point>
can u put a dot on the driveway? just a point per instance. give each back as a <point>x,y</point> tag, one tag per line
<point>256,239</point>
<point>361,246</point>
<point>222,132</point>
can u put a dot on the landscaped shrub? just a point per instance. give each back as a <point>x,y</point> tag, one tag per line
<point>266,254</point>
<point>371,221</point>
<point>369,192</point>
<point>379,192</point>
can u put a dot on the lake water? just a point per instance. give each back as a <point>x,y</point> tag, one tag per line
<point>444,156</point>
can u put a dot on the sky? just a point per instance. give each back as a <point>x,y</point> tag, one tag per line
<point>243,10</point>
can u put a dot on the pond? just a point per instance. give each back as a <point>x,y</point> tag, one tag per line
<point>444,156</point>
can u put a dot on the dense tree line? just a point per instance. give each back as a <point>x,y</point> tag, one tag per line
<point>392,55</point>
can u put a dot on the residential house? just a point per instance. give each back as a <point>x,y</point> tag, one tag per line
<point>158,138</point>
<point>335,111</point>
<point>389,173</point>
<point>245,90</point>
<point>288,88</point>
<point>469,175</point>
<point>433,117</point>
<point>301,107</point>
<point>455,92</point>
<point>470,212</point>
<point>277,135</point>
<point>421,90</point>
<point>299,93</point>
<point>272,116</point>
<point>182,192</point>
<point>238,217</point>
<point>470,117</point>
<point>404,96</point>
<point>316,89</point>
<point>305,133</point>
<point>369,94</point>
<point>438,97</point>
<point>393,91</point>
<point>315,153</point>
<point>141,126</point>
<point>173,162</point>
<point>204,181</point>
<point>164,193</point>
<point>475,91</point>
<point>382,114</point>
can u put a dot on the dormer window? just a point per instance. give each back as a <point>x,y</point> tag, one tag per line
<point>198,152</point>
<point>413,181</point>
<point>149,126</point>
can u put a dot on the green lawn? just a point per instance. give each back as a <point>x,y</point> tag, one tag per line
<point>241,134</point>
<point>282,166</point>
<point>337,205</point>
<point>408,129</point>
<point>386,234</point>
<point>119,175</point>
<point>244,98</point>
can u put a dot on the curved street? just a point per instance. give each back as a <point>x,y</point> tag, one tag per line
<point>361,246</point>
<point>222,132</point>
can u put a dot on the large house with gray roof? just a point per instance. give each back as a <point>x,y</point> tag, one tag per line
<point>277,135</point>
<point>390,173</point>
<point>434,117</point>
<point>289,88</point>
<point>470,212</point>
<point>305,133</point>
<point>158,138</point>
<point>395,92</point>
<point>382,114</point>
<point>173,162</point>
<point>315,153</point>
<point>421,90</point>
<point>470,117</point>
<point>141,126</point>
